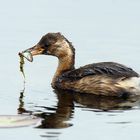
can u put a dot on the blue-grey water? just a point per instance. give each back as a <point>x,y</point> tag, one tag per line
<point>103,30</point>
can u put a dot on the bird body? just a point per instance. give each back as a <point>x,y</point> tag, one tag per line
<point>104,78</point>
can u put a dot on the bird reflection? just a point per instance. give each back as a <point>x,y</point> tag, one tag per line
<point>67,101</point>
<point>64,111</point>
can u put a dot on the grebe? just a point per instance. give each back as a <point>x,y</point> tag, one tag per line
<point>104,78</point>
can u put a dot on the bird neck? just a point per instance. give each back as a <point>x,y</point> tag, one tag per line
<point>65,64</point>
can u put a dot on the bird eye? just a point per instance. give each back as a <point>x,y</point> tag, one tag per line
<point>47,44</point>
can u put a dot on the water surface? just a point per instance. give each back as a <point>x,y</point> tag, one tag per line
<point>100,31</point>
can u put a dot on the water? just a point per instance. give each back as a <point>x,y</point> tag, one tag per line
<point>100,31</point>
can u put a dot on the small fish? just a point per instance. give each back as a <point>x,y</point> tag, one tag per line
<point>27,55</point>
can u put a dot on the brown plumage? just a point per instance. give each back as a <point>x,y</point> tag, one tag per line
<point>110,69</point>
<point>104,78</point>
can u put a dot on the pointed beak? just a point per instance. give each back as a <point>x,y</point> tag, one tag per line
<point>29,53</point>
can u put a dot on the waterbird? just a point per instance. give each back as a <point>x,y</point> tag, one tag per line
<point>103,78</point>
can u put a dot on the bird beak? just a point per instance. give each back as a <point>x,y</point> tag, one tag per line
<point>29,53</point>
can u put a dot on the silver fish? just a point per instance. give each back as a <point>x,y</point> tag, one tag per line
<point>27,55</point>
